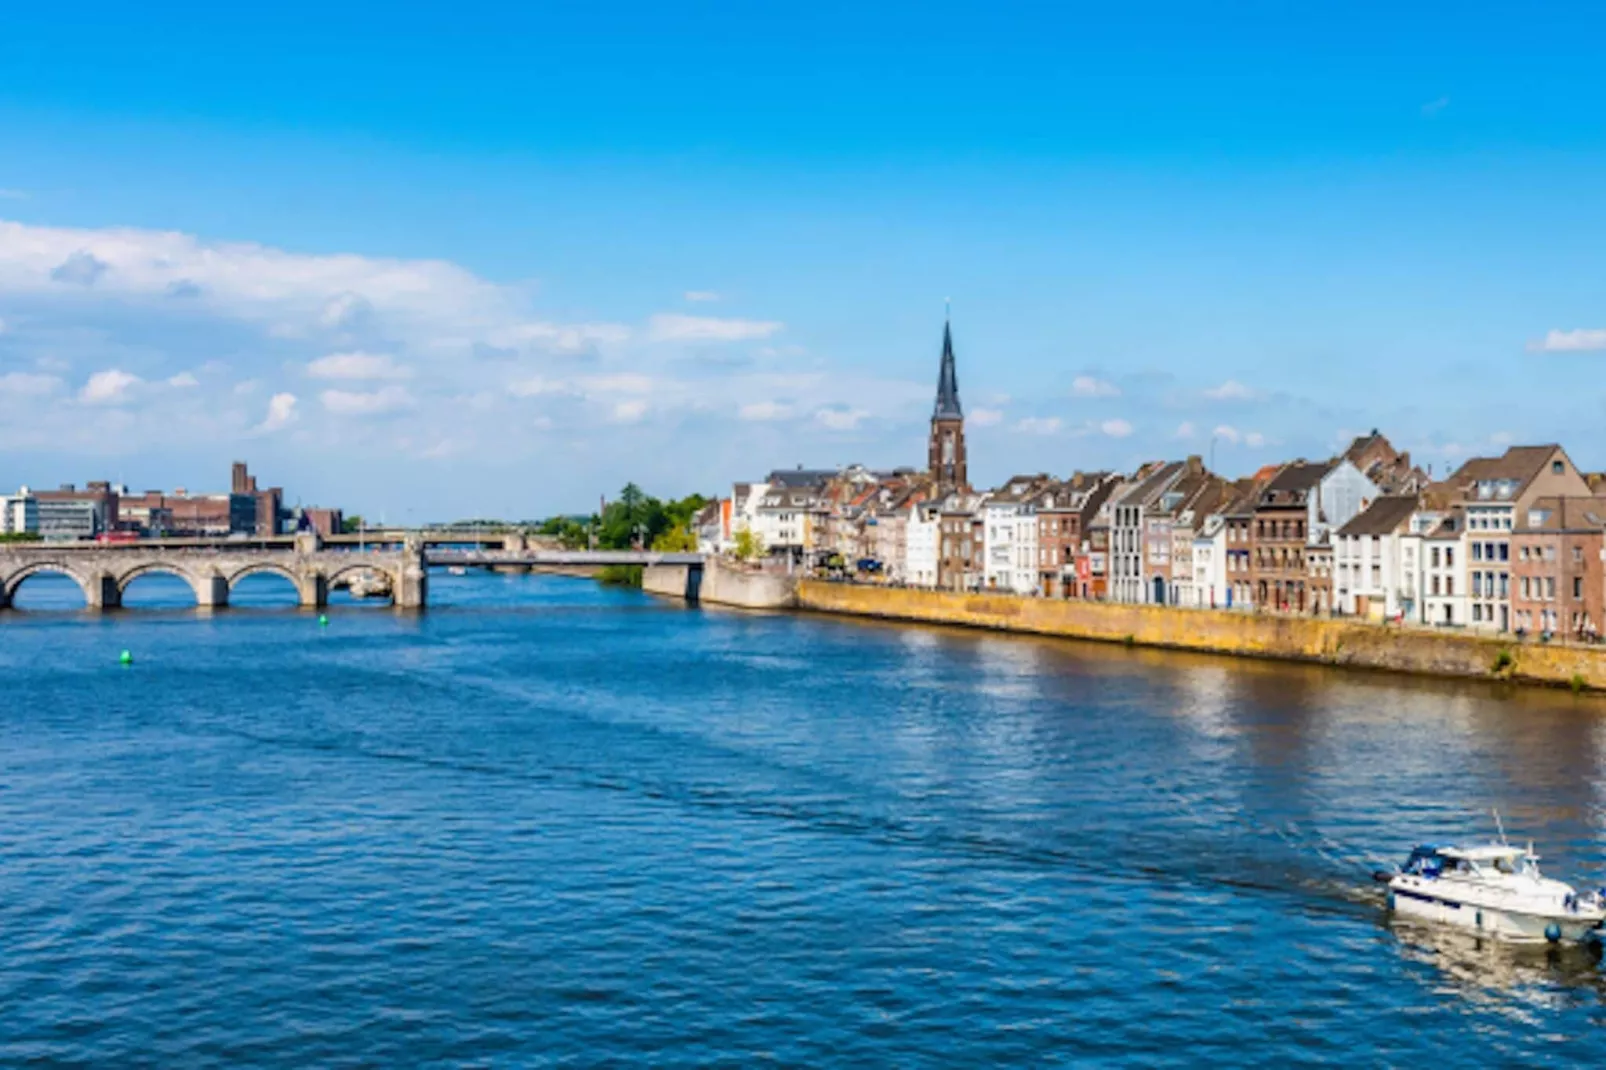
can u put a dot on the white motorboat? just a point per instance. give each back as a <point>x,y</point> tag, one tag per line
<point>457,570</point>
<point>1495,889</point>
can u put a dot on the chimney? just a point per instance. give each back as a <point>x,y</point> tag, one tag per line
<point>240,481</point>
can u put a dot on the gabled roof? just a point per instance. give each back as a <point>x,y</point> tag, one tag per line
<point>1518,466</point>
<point>1571,513</point>
<point>1297,477</point>
<point>1148,489</point>
<point>1385,516</point>
<point>800,477</point>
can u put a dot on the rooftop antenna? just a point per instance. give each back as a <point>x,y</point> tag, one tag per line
<point>1500,828</point>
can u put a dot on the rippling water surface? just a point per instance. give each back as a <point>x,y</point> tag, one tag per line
<point>550,823</point>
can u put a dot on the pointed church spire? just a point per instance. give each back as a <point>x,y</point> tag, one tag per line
<point>947,407</point>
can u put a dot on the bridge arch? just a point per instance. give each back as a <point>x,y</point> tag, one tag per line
<point>298,580</point>
<point>205,583</point>
<point>10,583</point>
<point>391,574</point>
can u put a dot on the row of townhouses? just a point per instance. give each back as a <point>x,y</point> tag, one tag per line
<point>1514,543</point>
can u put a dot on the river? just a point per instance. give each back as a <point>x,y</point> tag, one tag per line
<point>548,822</point>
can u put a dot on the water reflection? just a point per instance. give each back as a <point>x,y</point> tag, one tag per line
<point>1500,976</point>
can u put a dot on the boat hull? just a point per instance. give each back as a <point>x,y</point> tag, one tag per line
<point>1500,923</point>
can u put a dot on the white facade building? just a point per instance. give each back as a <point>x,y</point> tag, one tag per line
<point>19,514</point>
<point>920,545</point>
<point>1444,571</point>
<point>1210,563</point>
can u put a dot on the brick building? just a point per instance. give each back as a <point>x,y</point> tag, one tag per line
<point>1558,584</point>
<point>1279,571</point>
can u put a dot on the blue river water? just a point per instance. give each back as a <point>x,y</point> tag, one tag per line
<point>552,823</point>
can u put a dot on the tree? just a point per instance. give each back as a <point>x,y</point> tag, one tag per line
<point>676,540</point>
<point>351,524</point>
<point>749,547</point>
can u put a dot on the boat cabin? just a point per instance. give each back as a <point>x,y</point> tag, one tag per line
<point>1431,861</point>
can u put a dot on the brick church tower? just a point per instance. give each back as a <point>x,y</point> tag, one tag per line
<point>947,451</point>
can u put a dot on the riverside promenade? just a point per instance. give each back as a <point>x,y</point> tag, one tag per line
<point>1331,641</point>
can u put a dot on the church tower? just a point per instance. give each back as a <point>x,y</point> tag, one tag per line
<point>947,450</point>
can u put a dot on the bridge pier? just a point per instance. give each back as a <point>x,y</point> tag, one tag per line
<point>211,591</point>
<point>313,590</point>
<point>409,587</point>
<point>103,592</point>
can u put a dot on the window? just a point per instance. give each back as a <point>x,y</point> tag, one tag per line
<point>1449,557</point>
<point>1477,610</point>
<point>1578,587</point>
<point>1477,551</point>
<point>1550,588</point>
<point>1449,586</point>
<point>1523,554</point>
<point>1435,585</point>
<point>1525,587</point>
<point>1435,560</point>
<point>1505,585</point>
<point>1505,551</point>
<point>1557,468</point>
<point>1578,554</point>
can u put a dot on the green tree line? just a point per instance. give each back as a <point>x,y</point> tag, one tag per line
<point>633,515</point>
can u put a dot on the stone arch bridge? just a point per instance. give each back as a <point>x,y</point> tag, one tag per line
<point>212,569</point>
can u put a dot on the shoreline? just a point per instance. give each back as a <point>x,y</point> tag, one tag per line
<point>1340,643</point>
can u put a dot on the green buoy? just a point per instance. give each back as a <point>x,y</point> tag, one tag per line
<point>125,658</point>
<point>323,620</point>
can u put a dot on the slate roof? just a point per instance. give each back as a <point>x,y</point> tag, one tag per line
<point>1383,517</point>
<point>947,407</point>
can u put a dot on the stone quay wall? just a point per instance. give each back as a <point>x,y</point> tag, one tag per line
<point>1329,641</point>
<point>719,583</point>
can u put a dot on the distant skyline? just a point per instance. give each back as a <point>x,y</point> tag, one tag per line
<point>495,259</point>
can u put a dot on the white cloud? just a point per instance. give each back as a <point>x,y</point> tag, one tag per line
<point>1185,430</point>
<point>109,387</point>
<point>246,386</point>
<point>13,194</point>
<point>1039,425</point>
<point>840,418</point>
<point>373,403</point>
<point>1228,433</point>
<point>1231,390</point>
<point>762,411</point>
<point>535,386</point>
<point>28,384</point>
<point>1582,340</point>
<point>1086,386</point>
<point>183,381</point>
<point>986,417</point>
<point>1116,428</point>
<point>1501,438</point>
<point>561,337</point>
<point>281,412</point>
<point>621,383</point>
<point>674,327</point>
<point>1433,107</point>
<point>628,412</point>
<point>701,295</point>
<point>357,366</point>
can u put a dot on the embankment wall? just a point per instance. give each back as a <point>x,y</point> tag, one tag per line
<point>1333,642</point>
<point>721,584</point>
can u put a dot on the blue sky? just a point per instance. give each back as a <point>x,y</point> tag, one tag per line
<point>431,261</point>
